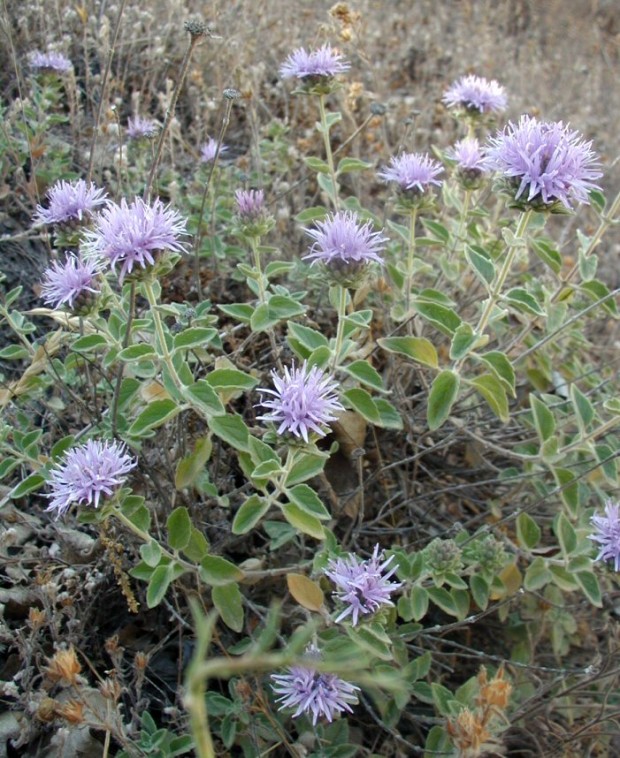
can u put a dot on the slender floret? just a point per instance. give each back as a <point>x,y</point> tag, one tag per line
<point>304,401</point>
<point>362,586</point>
<point>139,127</point>
<point>413,172</point>
<point>50,61</point>
<point>250,204</point>
<point>545,163</point>
<point>471,162</point>
<point>131,235</point>
<point>608,534</point>
<point>342,237</point>
<point>322,63</point>
<point>312,692</point>
<point>88,474</point>
<point>70,203</point>
<point>476,94</point>
<point>209,150</point>
<point>72,282</point>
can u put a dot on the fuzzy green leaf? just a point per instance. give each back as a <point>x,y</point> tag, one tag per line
<point>443,393</point>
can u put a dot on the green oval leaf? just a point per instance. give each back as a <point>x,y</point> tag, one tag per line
<point>229,603</point>
<point>179,525</point>
<point>217,571</point>
<point>155,414</point>
<point>249,514</point>
<point>444,392</point>
<point>303,521</point>
<point>417,348</point>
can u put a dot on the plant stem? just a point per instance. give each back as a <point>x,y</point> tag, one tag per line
<point>161,337</point>
<point>126,340</point>
<point>168,117</point>
<point>413,217</point>
<point>254,246</point>
<point>501,277</point>
<point>199,235</point>
<point>328,151</point>
<point>342,312</point>
<point>104,85</point>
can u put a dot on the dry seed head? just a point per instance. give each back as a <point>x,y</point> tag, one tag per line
<point>36,618</point>
<point>495,693</point>
<point>141,661</point>
<point>72,711</point>
<point>64,667</point>
<point>47,709</point>
<point>468,732</point>
<point>196,27</point>
<point>110,689</point>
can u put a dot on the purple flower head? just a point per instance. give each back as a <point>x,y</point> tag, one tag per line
<point>139,127</point>
<point>343,238</point>
<point>412,172</point>
<point>131,235</point>
<point>88,473</point>
<point>50,61</point>
<point>72,282</point>
<point>310,691</point>
<point>314,65</point>
<point>545,162</point>
<point>608,534</point>
<point>304,401</point>
<point>363,586</point>
<point>250,204</point>
<point>69,203</point>
<point>209,150</point>
<point>476,95</point>
<point>471,163</point>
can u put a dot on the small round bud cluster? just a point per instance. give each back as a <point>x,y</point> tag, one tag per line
<point>196,27</point>
<point>443,557</point>
<point>486,553</point>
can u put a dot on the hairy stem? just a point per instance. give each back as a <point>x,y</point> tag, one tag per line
<point>328,151</point>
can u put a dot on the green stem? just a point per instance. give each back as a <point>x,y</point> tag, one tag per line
<point>328,150</point>
<point>410,258</point>
<point>161,337</point>
<point>342,312</point>
<point>254,245</point>
<point>126,341</point>
<point>501,278</point>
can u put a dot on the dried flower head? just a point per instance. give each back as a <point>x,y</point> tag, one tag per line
<point>315,65</point>
<point>49,62</point>
<point>72,283</point>
<point>544,163</point>
<point>64,667</point>
<point>312,692</point>
<point>139,127</point>
<point>71,711</point>
<point>494,694</point>
<point>412,172</point>
<point>87,474</point>
<point>196,27</point>
<point>70,203</point>
<point>209,150</point>
<point>469,732</point>
<point>131,235</point>
<point>362,586</point>
<point>476,94</point>
<point>304,401</point>
<point>607,534</point>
